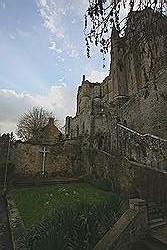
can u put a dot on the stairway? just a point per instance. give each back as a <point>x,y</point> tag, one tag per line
<point>160,233</point>
<point>149,243</point>
<point>156,240</point>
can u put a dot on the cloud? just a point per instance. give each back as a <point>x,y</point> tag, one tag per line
<point>24,33</point>
<point>43,2</point>
<point>96,76</point>
<point>61,79</point>
<point>51,16</point>
<point>12,37</point>
<point>3,5</point>
<point>72,50</point>
<point>73,20</point>
<point>54,47</point>
<point>55,17</point>
<point>59,99</point>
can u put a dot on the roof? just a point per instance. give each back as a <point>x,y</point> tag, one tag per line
<point>50,134</point>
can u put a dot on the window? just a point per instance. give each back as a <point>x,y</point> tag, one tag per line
<point>77,130</point>
<point>83,127</point>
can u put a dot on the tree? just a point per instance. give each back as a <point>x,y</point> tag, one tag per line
<point>32,122</point>
<point>102,15</point>
<point>6,142</point>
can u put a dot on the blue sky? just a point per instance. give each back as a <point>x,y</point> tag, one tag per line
<point>43,57</point>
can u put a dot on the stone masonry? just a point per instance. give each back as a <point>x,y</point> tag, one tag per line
<point>60,158</point>
<point>134,93</point>
<point>128,229</point>
<point>122,122</point>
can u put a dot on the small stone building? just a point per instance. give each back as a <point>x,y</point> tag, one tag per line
<point>50,134</point>
<point>45,155</point>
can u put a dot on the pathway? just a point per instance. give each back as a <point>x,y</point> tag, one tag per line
<point>5,236</point>
<point>157,240</point>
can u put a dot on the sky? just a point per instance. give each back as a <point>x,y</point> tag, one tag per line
<point>43,57</point>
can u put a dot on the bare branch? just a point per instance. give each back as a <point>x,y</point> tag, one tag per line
<point>32,122</point>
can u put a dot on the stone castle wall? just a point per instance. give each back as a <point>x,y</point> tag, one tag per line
<point>129,178</point>
<point>135,163</point>
<point>128,93</point>
<point>146,111</point>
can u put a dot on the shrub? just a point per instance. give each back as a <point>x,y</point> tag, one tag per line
<point>75,228</point>
<point>102,183</point>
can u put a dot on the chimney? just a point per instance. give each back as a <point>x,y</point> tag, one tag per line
<point>83,79</point>
<point>51,121</point>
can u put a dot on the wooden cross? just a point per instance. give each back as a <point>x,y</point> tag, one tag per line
<point>44,152</point>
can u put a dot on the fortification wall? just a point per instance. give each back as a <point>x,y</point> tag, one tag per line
<point>137,180</point>
<point>129,92</point>
<point>145,112</point>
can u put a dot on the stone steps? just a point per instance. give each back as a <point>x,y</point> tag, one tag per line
<point>149,243</point>
<point>44,182</point>
<point>154,244</point>
<point>156,223</point>
<point>160,233</point>
<point>156,240</point>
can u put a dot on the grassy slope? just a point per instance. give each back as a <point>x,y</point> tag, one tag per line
<point>37,203</point>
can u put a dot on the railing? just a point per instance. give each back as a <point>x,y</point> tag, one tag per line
<point>156,212</point>
<point>146,149</point>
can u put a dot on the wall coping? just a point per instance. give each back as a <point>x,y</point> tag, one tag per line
<point>18,231</point>
<point>137,207</point>
<point>142,165</point>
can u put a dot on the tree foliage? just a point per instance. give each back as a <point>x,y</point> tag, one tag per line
<point>32,122</point>
<point>102,15</point>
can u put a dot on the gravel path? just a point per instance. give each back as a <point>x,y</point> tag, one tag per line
<point>5,236</point>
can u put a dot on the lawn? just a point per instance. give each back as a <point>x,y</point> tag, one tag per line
<point>38,203</point>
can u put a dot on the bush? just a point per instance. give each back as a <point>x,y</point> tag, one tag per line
<point>75,228</point>
<point>103,183</point>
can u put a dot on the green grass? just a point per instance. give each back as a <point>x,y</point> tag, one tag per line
<point>38,203</point>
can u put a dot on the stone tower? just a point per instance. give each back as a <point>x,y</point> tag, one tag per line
<point>117,70</point>
<point>134,91</point>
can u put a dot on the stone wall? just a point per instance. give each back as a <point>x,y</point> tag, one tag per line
<point>137,180</point>
<point>135,90</point>
<point>100,164</point>
<point>127,230</point>
<point>146,149</point>
<point>135,163</point>
<point>129,178</point>
<point>145,112</point>
<point>62,160</point>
